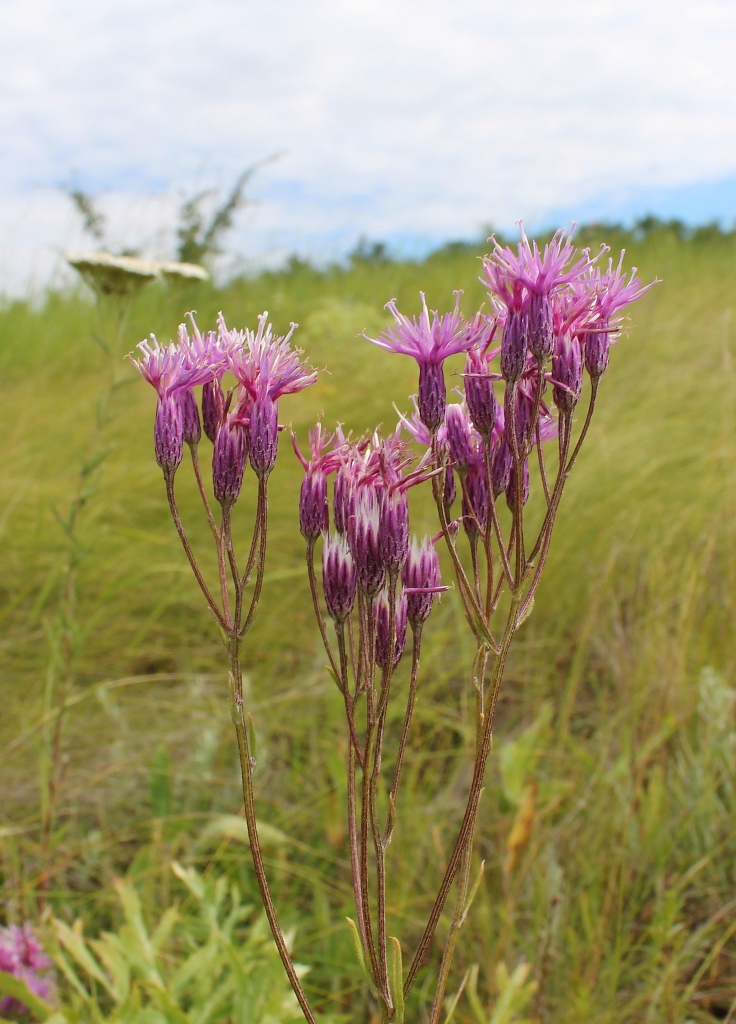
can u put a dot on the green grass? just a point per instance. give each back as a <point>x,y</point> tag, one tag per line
<point>622,898</point>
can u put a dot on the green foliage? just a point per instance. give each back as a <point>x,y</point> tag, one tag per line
<point>196,964</point>
<point>607,821</point>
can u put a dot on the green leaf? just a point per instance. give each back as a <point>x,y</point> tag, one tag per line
<point>397,980</point>
<point>17,988</point>
<point>361,955</point>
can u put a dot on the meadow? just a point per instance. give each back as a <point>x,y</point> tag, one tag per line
<point>615,744</point>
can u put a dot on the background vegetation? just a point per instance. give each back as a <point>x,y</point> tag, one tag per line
<point>608,817</point>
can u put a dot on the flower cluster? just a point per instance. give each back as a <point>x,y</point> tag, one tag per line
<point>23,956</point>
<point>243,424</point>
<point>369,550</point>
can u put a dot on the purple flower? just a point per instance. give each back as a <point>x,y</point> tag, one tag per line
<point>383,637</point>
<point>23,956</point>
<point>501,465</point>
<point>567,372</point>
<point>191,426</point>
<point>394,535</point>
<point>229,458</point>
<point>609,292</point>
<point>213,402</point>
<point>171,371</point>
<point>263,434</point>
<point>422,579</point>
<point>475,499</point>
<point>479,395</point>
<point>338,577</point>
<point>264,363</point>
<point>430,342</point>
<point>461,441</point>
<point>313,508</point>
<point>449,492</point>
<point>364,539</point>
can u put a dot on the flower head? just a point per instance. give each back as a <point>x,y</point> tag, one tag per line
<point>422,580</point>
<point>338,577</point>
<point>23,956</point>
<point>383,630</point>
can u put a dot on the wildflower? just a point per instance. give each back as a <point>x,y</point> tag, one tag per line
<point>459,435</point>
<point>229,458</point>
<point>172,370</point>
<point>364,538</point>
<point>23,956</point>
<point>422,579</point>
<point>383,629</point>
<point>191,426</point>
<point>449,492</point>
<point>611,292</point>
<point>213,401</point>
<point>567,372</point>
<point>482,404</point>
<point>501,466</point>
<point>394,533</point>
<point>430,342</point>
<point>338,577</point>
<point>313,509</point>
<point>263,434</point>
<point>475,499</point>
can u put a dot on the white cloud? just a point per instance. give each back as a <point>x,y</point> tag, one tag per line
<point>406,120</point>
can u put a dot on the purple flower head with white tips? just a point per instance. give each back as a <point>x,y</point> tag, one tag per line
<point>567,372</point>
<point>23,956</point>
<point>338,577</point>
<point>364,538</point>
<point>313,508</point>
<point>430,341</point>
<point>462,439</point>
<point>422,580</point>
<point>383,623</point>
<point>265,364</point>
<point>482,404</point>
<point>394,536</point>
<point>172,370</point>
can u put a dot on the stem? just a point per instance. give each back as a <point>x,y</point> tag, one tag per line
<point>318,611</point>
<point>594,382</point>
<point>215,533</point>
<point>227,538</point>
<point>411,701</point>
<point>458,919</point>
<point>368,756</point>
<point>189,553</point>
<point>353,750</point>
<point>262,527</point>
<point>471,808</point>
<point>518,482</point>
<point>542,467</point>
<point>250,817</point>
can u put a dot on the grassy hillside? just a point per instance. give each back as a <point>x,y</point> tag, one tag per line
<point>621,683</point>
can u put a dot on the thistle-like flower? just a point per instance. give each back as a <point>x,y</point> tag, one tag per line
<point>430,342</point>
<point>23,956</point>
<point>422,580</point>
<point>610,292</point>
<point>482,404</point>
<point>461,441</point>
<point>364,538</point>
<point>338,577</point>
<point>313,508</point>
<point>229,457</point>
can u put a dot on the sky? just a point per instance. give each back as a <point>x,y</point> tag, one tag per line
<point>409,122</point>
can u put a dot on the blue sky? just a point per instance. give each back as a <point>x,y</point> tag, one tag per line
<point>412,122</point>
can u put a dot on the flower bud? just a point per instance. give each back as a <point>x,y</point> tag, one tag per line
<point>482,404</point>
<point>421,572</point>
<point>394,534</point>
<point>190,418</point>
<point>338,577</point>
<point>513,346</point>
<point>212,406</point>
<point>314,516</point>
<point>228,462</point>
<point>501,466</point>
<point>383,630</point>
<point>458,436</point>
<point>432,396</point>
<point>342,502</point>
<point>364,530</point>
<point>475,500</point>
<point>541,336</point>
<point>597,345</point>
<point>567,372</point>
<point>263,435</point>
<point>168,434</point>
<point>511,487</point>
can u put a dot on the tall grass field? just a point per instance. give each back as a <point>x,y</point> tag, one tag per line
<point>608,821</point>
